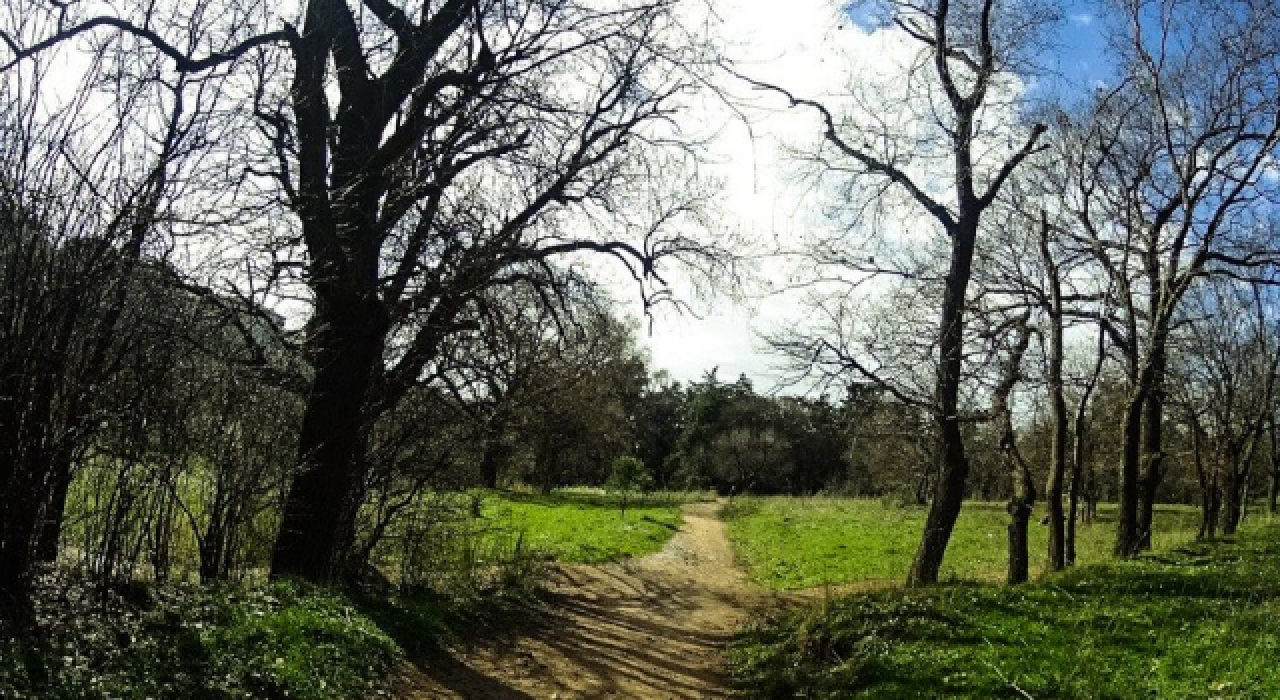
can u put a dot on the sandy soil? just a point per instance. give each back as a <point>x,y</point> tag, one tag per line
<point>652,628</point>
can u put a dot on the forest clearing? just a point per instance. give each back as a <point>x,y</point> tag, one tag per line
<point>687,596</point>
<point>357,349</point>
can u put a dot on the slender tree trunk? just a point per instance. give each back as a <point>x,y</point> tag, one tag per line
<point>952,463</point>
<point>1207,486</point>
<point>1273,493</point>
<point>1019,517</point>
<point>1214,515</point>
<point>1024,490</point>
<point>1079,489</point>
<point>1073,514</point>
<point>51,528</point>
<point>1058,454</point>
<point>1057,559</point>
<point>1081,478</point>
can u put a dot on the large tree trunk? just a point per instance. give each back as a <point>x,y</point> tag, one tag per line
<point>1152,442</point>
<point>489,465</point>
<point>953,465</point>
<point>1233,510</point>
<point>318,527</point>
<point>1127,536</point>
<point>19,533</point>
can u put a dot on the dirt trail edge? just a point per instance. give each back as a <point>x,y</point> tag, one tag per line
<point>650,628</point>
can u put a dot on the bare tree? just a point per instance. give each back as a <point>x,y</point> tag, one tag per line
<point>1227,388</point>
<point>1041,273</point>
<point>86,206</point>
<point>1083,477</point>
<point>424,155</point>
<point>1024,490</point>
<point>1165,191</point>
<point>966,52</point>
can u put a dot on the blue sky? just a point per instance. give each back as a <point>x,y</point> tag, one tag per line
<point>1080,47</point>
<point>1078,44</point>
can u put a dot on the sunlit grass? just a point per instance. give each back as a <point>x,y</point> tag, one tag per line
<point>1198,621</point>
<point>585,527</point>
<point>791,543</point>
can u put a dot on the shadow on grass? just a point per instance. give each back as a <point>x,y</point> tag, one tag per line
<point>655,521</point>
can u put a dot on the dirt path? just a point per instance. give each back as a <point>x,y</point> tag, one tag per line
<point>652,628</point>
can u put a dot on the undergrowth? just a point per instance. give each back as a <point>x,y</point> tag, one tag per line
<point>455,569</point>
<point>279,641</point>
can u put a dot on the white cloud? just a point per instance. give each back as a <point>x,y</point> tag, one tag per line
<point>812,49</point>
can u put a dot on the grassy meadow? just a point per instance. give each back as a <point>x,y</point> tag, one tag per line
<point>585,526</point>
<point>794,543</point>
<point>1196,621</point>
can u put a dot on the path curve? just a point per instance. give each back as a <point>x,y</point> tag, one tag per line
<point>653,628</point>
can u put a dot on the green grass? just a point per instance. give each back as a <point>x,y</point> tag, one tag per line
<point>788,543</point>
<point>1200,621</point>
<point>584,527</point>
